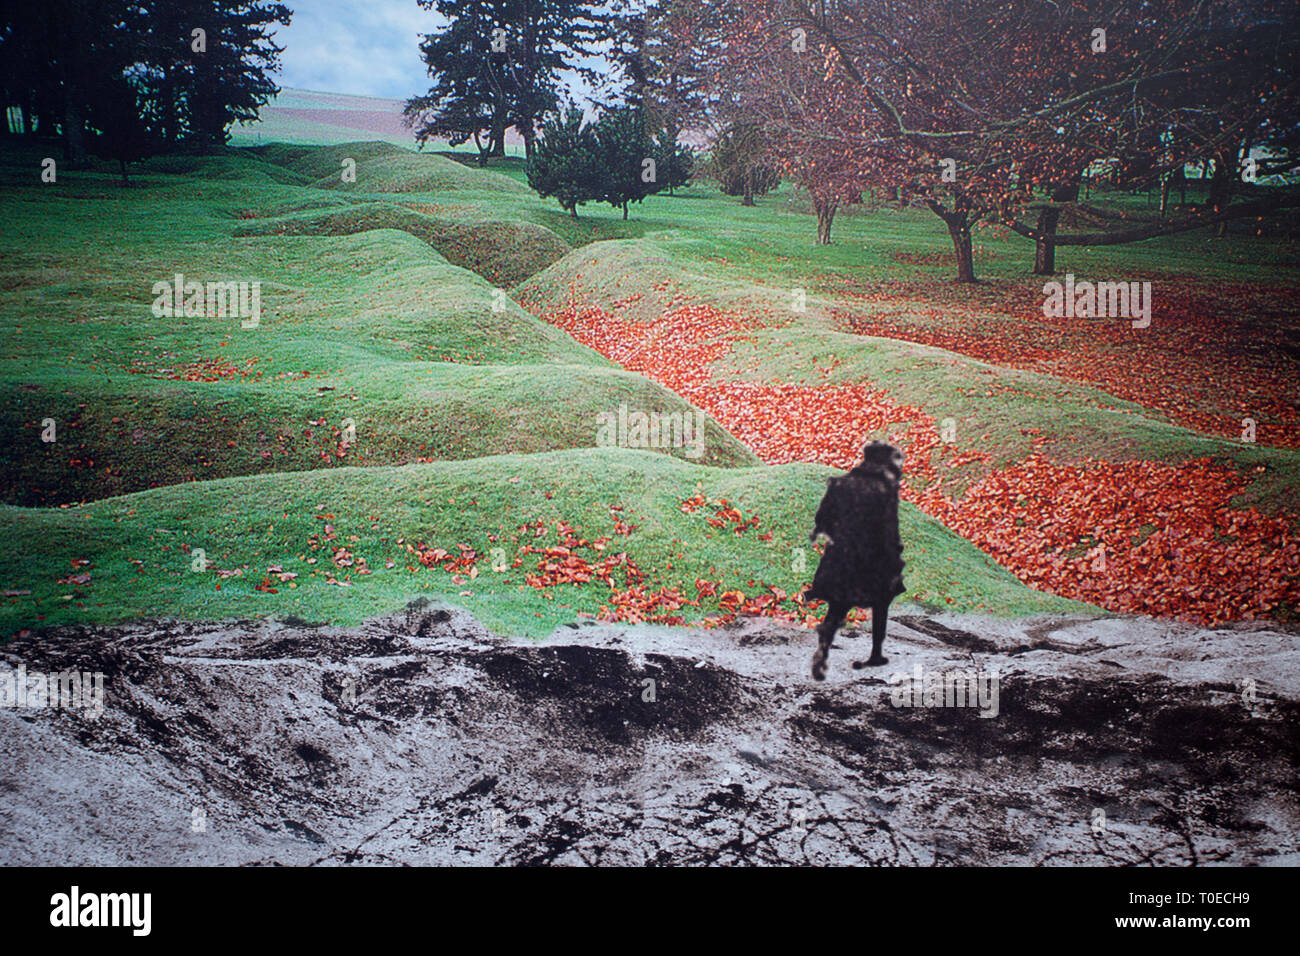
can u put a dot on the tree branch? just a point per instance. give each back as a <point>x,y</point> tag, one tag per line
<point>1258,207</point>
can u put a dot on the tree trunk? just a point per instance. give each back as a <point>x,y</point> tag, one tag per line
<point>1048,220</point>
<point>498,137</point>
<point>1221,182</point>
<point>624,210</point>
<point>749,188</point>
<point>573,211</point>
<point>1225,170</point>
<point>959,229</point>
<point>167,106</point>
<point>122,165</point>
<point>74,134</point>
<point>1045,246</point>
<point>528,130</point>
<point>825,209</point>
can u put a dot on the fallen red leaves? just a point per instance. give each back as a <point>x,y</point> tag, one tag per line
<point>1199,362</point>
<point>1143,537</point>
<point>202,370</point>
<point>781,422</point>
<point>573,560</point>
<point>724,513</point>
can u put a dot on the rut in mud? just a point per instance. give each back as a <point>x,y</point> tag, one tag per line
<point>420,738</point>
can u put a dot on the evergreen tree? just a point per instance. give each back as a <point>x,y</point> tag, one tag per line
<point>675,162</point>
<point>657,60</point>
<point>166,60</point>
<point>121,132</point>
<point>528,44</point>
<point>627,155</point>
<point>739,165</point>
<point>229,82</point>
<point>567,162</point>
<point>616,160</point>
<point>64,60</point>
<point>468,96</point>
<point>54,55</point>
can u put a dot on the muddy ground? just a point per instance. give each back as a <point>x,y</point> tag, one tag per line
<point>420,738</point>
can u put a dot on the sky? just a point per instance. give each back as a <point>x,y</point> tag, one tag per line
<point>362,47</point>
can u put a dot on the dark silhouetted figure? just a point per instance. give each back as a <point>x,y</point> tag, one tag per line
<point>863,563</point>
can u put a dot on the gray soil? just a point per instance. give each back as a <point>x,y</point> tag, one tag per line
<point>420,739</point>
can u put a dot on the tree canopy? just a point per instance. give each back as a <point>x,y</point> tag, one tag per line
<point>993,111</point>
<point>499,63</point>
<point>73,68</point>
<point>620,159</point>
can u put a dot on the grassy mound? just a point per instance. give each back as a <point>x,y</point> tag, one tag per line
<point>503,252</point>
<point>161,433</point>
<point>316,162</point>
<point>1005,412</point>
<point>135,556</point>
<point>635,277</point>
<point>423,358</point>
<point>385,168</point>
<point>230,166</point>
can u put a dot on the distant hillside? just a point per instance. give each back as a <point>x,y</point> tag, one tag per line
<point>312,118</point>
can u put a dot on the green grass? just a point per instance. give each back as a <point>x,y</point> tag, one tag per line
<point>503,251</point>
<point>378,306</point>
<point>140,546</point>
<point>425,357</point>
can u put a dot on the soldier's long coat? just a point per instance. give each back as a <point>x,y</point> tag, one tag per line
<point>863,563</point>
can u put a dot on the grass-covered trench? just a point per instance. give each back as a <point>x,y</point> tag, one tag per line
<point>400,425</point>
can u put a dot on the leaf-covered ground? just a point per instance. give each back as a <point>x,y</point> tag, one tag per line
<point>1213,355</point>
<point>232,441</point>
<point>1137,536</point>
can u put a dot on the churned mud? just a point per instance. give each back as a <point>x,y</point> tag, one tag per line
<point>420,739</point>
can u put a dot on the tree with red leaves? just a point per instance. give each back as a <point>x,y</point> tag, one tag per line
<point>989,110</point>
<point>765,73</point>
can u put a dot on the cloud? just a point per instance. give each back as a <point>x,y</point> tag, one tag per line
<point>369,48</point>
<point>364,47</point>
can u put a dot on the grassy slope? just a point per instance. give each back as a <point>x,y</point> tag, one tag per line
<point>369,312</point>
<point>996,409</point>
<point>376,327</point>
<point>255,522</point>
<point>503,249</point>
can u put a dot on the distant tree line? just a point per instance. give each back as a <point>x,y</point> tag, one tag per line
<point>124,79</point>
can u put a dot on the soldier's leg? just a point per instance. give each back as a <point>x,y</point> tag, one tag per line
<point>836,611</point>
<point>879,616</point>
